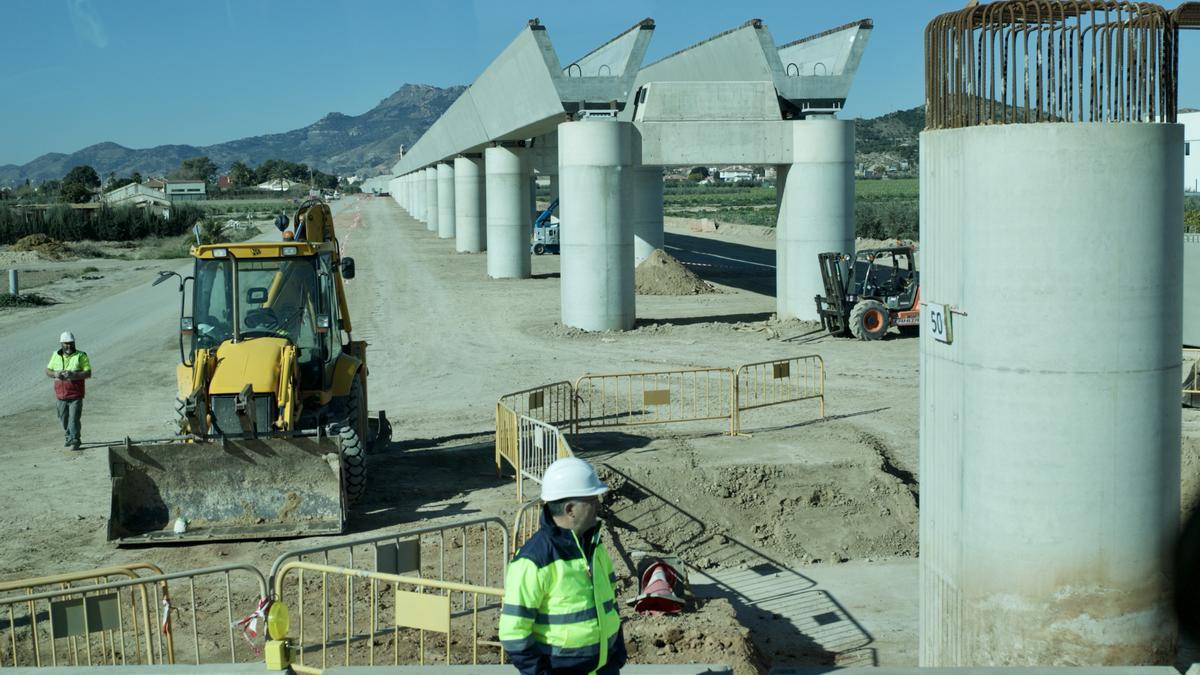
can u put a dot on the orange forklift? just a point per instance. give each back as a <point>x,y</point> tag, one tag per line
<point>868,293</point>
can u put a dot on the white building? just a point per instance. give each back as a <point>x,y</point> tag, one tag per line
<point>1191,160</point>
<point>185,190</point>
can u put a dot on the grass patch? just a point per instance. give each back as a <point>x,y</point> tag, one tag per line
<point>247,208</point>
<point>9,301</point>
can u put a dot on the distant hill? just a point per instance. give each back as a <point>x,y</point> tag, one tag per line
<point>368,144</point>
<point>890,138</point>
<point>339,144</point>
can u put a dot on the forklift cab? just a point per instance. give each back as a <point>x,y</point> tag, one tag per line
<point>889,274</point>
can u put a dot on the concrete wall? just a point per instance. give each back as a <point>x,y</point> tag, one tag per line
<point>1191,158</point>
<point>1050,424</point>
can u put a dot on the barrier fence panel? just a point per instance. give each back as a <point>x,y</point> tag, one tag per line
<point>757,385</point>
<point>506,437</point>
<point>551,403</point>
<point>525,523</point>
<point>389,624</point>
<point>539,445</point>
<point>1191,375</point>
<point>138,620</point>
<point>472,551</point>
<point>654,398</point>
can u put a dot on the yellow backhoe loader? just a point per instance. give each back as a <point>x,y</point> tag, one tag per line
<point>273,421</point>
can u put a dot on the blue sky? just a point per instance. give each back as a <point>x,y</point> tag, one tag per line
<point>78,72</point>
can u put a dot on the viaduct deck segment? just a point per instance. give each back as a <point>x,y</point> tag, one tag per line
<point>732,98</point>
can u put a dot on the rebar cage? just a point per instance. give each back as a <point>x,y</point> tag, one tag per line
<point>1027,61</point>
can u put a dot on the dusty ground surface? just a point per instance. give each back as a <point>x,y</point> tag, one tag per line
<point>823,513</point>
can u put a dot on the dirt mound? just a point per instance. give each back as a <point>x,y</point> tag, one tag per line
<point>660,274</point>
<point>41,244</point>
<point>710,634</point>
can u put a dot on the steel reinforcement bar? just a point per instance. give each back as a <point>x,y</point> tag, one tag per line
<point>1024,61</point>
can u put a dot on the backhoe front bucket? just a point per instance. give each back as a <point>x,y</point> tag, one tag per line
<point>225,490</point>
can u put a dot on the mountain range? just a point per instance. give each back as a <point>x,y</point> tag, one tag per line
<point>368,144</point>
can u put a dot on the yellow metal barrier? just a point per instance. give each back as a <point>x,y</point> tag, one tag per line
<point>506,437</point>
<point>757,385</point>
<point>134,621</point>
<point>661,397</point>
<point>525,523</point>
<point>551,403</point>
<point>1191,375</point>
<point>428,607</point>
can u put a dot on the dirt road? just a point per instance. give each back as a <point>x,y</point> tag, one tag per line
<point>792,502</point>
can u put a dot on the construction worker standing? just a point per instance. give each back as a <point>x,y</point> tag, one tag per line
<point>68,368</point>
<point>560,610</point>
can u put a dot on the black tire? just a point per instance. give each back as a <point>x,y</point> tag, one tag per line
<point>539,249</point>
<point>356,411</point>
<point>354,463</point>
<point>910,331</point>
<point>869,320</point>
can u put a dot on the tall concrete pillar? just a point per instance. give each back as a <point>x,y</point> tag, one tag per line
<point>470,234</point>
<point>506,178</point>
<point>418,181</point>
<point>816,211</point>
<point>647,211</point>
<point>431,199</point>
<point>553,187</point>
<point>1049,407</point>
<point>594,159</point>
<point>445,192</point>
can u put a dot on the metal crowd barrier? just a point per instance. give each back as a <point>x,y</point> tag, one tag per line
<point>757,385</point>
<point>525,523</point>
<point>388,618</point>
<point>506,438</point>
<point>133,621</point>
<point>539,444</point>
<point>551,403</point>
<point>661,397</point>
<point>1191,375</point>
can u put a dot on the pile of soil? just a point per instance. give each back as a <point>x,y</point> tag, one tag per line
<point>43,245</point>
<point>710,634</point>
<point>660,274</point>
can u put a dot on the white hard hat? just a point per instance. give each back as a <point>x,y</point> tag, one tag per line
<point>67,336</point>
<point>570,477</point>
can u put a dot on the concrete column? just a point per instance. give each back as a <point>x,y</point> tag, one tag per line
<point>553,187</point>
<point>470,233</point>
<point>445,190</point>
<point>1050,423</point>
<point>816,212</point>
<point>506,177</point>
<point>431,199</point>
<point>647,212</point>
<point>594,158</point>
<point>418,188</point>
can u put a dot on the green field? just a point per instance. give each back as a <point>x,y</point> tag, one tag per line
<point>257,208</point>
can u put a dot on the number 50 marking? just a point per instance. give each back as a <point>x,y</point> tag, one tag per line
<point>938,322</point>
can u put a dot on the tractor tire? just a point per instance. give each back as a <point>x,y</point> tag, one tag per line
<point>356,412</point>
<point>539,249</point>
<point>354,463</point>
<point>869,320</point>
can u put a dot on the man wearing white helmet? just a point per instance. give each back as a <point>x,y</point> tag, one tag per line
<point>68,368</point>
<point>560,610</point>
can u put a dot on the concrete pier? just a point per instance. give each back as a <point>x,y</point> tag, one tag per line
<point>506,178</point>
<point>647,214</point>
<point>1050,443</point>
<point>594,160</point>
<point>431,199</point>
<point>816,211</point>
<point>445,192</point>
<point>470,207</point>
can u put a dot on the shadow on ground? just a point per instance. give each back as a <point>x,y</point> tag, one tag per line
<point>746,267</point>
<point>790,620</point>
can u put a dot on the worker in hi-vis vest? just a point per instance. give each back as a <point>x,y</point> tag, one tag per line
<point>69,367</point>
<point>560,611</point>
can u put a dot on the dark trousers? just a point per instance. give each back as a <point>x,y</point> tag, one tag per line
<point>69,413</point>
